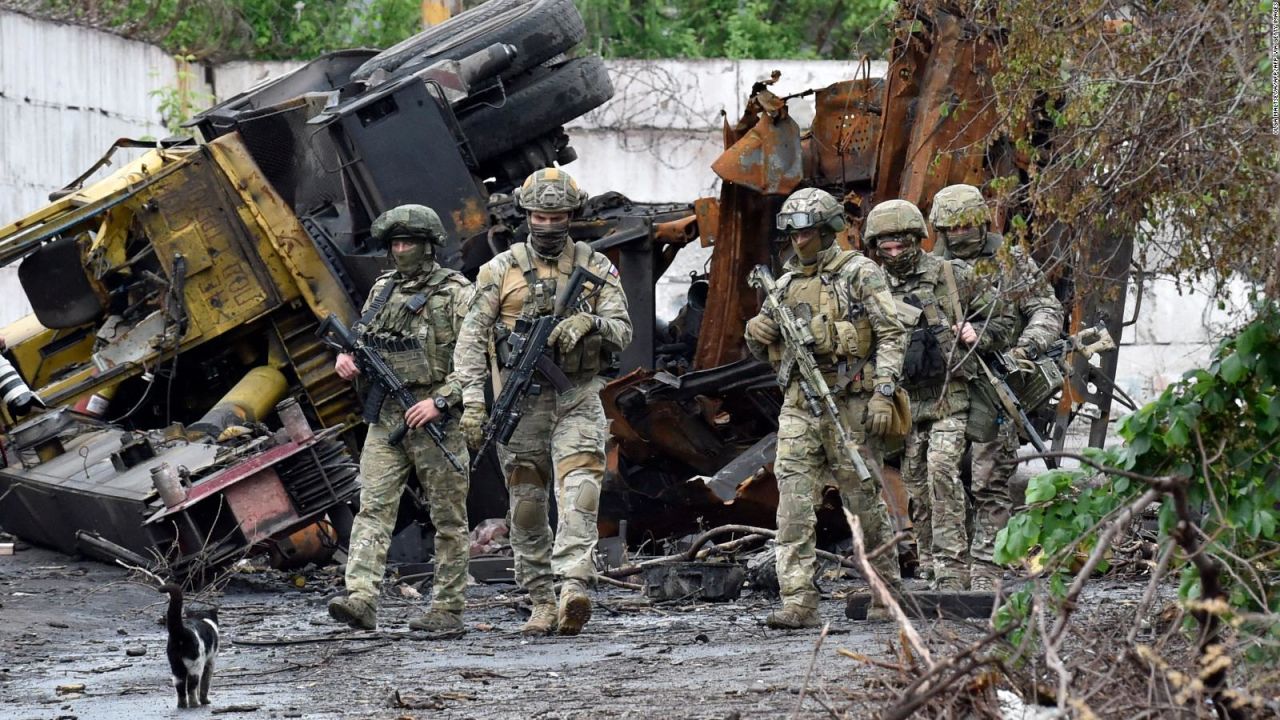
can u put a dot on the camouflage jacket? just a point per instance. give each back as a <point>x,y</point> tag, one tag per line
<point>851,314</point>
<point>419,345</point>
<point>500,299</point>
<point>1018,278</point>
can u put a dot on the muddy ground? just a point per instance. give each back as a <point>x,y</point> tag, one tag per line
<point>68,622</point>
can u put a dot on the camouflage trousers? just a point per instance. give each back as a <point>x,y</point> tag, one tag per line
<point>559,443</point>
<point>385,470</point>
<point>809,459</point>
<point>994,464</point>
<point>931,472</point>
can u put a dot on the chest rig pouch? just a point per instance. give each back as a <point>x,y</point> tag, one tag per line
<point>925,362</point>
<point>413,332</point>
<point>588,356</point>
<point>841,328</point>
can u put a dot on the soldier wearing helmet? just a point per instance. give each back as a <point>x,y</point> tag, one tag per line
<point>947,314</point>
<point>858,342</point>
<point>559,444</point>
<point>411,318</point>
<point>962,222</point>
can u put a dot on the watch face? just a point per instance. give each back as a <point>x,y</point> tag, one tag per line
<point>441,403</point>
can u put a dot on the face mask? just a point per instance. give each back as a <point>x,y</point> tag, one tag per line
<point>904,262</point>
<point>413,259</point>
<point>808,255</point>
<point>548,239</point>
<point>965,244</point>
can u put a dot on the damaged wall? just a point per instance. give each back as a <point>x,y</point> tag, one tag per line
<point>654,141</point>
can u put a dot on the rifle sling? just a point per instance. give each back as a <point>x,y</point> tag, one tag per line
<point>377,304</point>
<point>1006,402</point>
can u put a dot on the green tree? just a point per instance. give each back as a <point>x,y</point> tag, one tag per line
<point>771,29</point>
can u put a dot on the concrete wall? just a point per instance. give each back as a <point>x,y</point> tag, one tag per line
<point>66,93</point>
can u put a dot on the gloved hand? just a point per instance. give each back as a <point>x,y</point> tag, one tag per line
<point>472,424</point>
<point>763,330</point>
<point>1020,353</point>
<point>879,414</point>
<point>570,331</point>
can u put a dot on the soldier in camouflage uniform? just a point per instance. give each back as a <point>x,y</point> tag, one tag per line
<point>858,344</point>
<point>560,440</point>
<point>411,318</point>
<point>939,361</point>
<point>962,222</point>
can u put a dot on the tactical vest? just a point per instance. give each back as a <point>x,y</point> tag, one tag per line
<point>843,340</point>
<point>528,292</point>
<point>413,331</point>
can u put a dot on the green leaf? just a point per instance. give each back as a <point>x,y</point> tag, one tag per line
<point>1233,369</point>
<point>1041,488</point>
<point>1177,435</point>
<point>1265,520</point>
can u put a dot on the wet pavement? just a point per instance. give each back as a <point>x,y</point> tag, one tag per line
<point>69,623</point>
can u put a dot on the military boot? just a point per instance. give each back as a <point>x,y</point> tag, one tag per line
<point>575,608</point>
<point>542,621</point>
<point>983,576</point>
<point>950,583</point>
<point>357,613</point>
<point>793,617</point>
<point>437,621</point>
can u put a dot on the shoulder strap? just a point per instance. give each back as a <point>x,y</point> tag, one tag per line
<point>520,251</point>
<point>949,274</point>
<point>378,302</point>
<point>582,254</point>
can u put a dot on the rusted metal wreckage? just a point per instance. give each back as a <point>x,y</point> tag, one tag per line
<point>190,282</point>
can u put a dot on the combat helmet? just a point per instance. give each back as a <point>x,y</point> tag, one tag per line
<point>811,207</point>
<point>550,190</point>
<point>408,221</point>
<point>959,206</point>
<point>894,217</point>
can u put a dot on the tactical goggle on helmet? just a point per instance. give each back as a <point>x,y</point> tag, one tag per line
<point>810,207</point>
<point>798,220</point>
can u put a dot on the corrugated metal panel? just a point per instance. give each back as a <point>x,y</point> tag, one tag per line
<point>66,94</point>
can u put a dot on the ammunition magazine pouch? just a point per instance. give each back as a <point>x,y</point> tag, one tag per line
<point>385,345</point>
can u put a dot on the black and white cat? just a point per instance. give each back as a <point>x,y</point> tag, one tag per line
<point>193,645</point>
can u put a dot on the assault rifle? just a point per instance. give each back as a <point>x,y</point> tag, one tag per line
<point>799,340</point>
<point>529,355</point>
<point>384,382</point>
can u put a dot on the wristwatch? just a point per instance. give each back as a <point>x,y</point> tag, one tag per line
<point>441,404</point>
<point>885,389</point>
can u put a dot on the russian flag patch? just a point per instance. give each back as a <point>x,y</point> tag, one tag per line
<point>613,270</point>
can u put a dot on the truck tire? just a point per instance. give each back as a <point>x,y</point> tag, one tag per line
<point>547,99</point>
<point>539,30</point>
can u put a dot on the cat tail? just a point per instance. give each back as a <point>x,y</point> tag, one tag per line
<point>173,619</point>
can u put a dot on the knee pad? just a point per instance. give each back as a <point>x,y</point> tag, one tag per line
<point>528,515</point>
<point>588,497</point>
